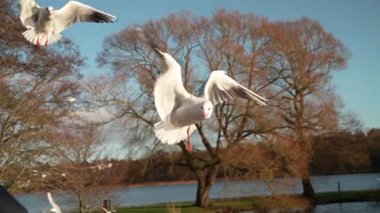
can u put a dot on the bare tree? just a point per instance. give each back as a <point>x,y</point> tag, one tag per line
<point>290,62</point>
<point>192,45</point>
<point>35,83</point>
<point>302,58</point>
<point>76,165</point>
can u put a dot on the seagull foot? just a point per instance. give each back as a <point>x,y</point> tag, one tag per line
<point>189,147</point>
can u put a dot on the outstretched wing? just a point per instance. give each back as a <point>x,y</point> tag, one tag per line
<point>164,97</point>
<point>220,87</point>
<point>74,12</point>
<point>29,12</point>
<point>55,206</point>
<point>168,89</point>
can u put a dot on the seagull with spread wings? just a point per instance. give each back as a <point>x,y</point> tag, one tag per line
<point>44,25</point>
<point>180,111</point>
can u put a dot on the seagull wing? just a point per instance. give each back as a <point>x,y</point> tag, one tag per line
<point>220,87</point>
<point>168,89</point>
<point>74,12</point>
<point>53,204</point>
<point>29,12</point>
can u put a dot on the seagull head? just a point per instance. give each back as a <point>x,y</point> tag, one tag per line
<point>206,109</point>
<point>50,9</point>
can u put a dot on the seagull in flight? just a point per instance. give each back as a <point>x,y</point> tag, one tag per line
<point>180,111</point>
<point>55,207</point>
<point>71,99</point>
<point>44,25</point>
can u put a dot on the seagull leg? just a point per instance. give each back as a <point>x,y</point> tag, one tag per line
<point>189,147</point>
<point>47,38</point>
<point>38,40</point>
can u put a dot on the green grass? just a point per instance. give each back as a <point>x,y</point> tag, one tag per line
<point>188,207</point>
<point>347,196</point>
<point>259,203</point>
<point>216,206</point>
<point>163,209</point>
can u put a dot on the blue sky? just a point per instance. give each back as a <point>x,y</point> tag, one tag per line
<point>355,22</point>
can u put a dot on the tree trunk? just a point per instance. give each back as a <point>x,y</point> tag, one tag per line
<point>308,190</point>
<point>82,206</point>
<point>205,170</point>
<point>206,179</point>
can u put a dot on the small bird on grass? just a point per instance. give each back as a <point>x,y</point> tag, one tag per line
<point>108,211</point>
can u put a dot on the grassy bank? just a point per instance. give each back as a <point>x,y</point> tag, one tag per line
<point>347,196</point>
<point>259,203</point>
<point>226,205</point>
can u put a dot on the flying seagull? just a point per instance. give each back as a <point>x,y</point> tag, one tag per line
<point>71,99</point>
<point>44,25</point>
<point>180,110</point>
<point>55,207</point>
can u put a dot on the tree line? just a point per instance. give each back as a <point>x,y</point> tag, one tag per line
<point>339,153</point>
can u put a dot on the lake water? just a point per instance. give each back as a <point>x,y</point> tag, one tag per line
<point>134,196</point>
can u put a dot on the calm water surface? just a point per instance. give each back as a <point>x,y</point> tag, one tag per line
<point>134,196</point>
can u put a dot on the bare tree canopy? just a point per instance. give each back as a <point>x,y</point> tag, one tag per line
<point>34,85</point>
<point>290,62</point>
<point>302,63</point>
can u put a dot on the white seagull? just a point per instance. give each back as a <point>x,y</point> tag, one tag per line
<point>108,211</point>
<point>44,25</point>
<point>71,99</point>
<point>180,110</point>
<point>55,207</point>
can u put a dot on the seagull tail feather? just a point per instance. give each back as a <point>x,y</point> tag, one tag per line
<point>41,38</point>
<point>169,135</point>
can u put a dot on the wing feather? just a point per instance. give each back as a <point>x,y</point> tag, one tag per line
<point>164,97</point>
<point>29,12</point>
<point>169,91</point>
<point>221,87</point>
<point>74,12</point>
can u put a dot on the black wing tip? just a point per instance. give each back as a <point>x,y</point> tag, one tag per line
<point>157,50</point>
<point>247,94</point>
<point>100,17</point>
